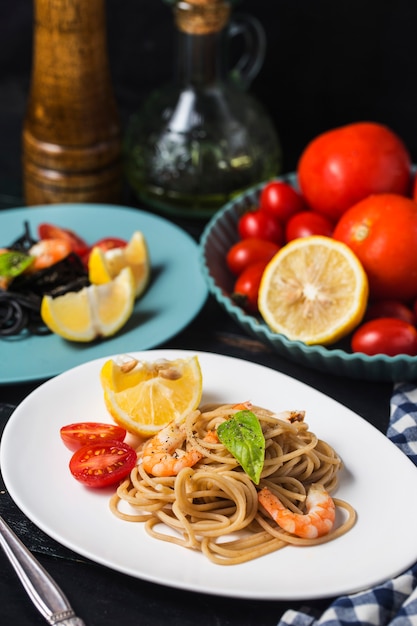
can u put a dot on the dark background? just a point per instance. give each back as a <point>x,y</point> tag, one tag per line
<point>328,63</point>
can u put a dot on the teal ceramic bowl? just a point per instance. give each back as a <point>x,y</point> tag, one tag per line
<point>218,236</point>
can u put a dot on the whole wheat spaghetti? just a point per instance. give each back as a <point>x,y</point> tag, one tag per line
<point>214,506</point>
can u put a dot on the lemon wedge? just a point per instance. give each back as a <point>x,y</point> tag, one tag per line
<point>105,265</point>
<point>94,311</point>
<point>314,290</point>
<point>145,396</point>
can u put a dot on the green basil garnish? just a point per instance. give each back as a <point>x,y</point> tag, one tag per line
<point>13,263</point>
<point>243,437</point>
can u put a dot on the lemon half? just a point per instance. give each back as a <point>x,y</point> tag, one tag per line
<point>145,396</point>
<point>314,289</point>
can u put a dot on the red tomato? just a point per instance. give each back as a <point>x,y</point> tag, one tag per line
<point>102,464</point>
<point>281,200</point>
<point>77,435</point>
<point>390,308</point>
<point>342,166</point>
<point>261,225</point>
<point>385,335</point>
<point>248,251</point>
<point>47,252</point>
<point>414,189</point>
<point>382,232</point>
<point>50,231</point>
<point>308,223</point>
<point>108,243</point>
<point>245,292</point>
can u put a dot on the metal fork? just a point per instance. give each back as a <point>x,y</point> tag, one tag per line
<point>39,585</point>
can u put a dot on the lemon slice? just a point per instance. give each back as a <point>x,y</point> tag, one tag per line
<point>314,289</point>
<point>103,266</point>
<point>145,396</point>
<point>94,311</point>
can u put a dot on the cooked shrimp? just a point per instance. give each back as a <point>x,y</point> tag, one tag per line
<point>159,456</point>
<point>47,252</point>
<point>242,406</point>
<point>318,520</point>
<point>162,455</point>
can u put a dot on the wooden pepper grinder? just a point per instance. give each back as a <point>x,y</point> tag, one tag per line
<point>71,134</point>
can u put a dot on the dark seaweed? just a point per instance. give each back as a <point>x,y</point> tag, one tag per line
<point>67,275</point>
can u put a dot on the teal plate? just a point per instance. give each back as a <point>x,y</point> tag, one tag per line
<point>218,236</point>
<point>175,295</point>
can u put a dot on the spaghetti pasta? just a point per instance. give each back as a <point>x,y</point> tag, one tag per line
<point>214,507</point>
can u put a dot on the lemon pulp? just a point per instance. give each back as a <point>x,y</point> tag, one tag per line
<point>145,396</point>
<point>105,265</point>
<point>314,290</point>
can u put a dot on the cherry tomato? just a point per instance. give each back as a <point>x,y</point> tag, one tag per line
<point>47,252</point>
<point>382,232</point>
<point>245,292</point>
<point>342,166</point>
<point>82,433</point>
<point>51,231</point>
<point>248,251</point>
<point>108,243</point>
<point>385,335</point>
<point>308,223</point>
<point>390,308</point>
<point>102,464</point>
<point>281,200</point>
<point>261,225</point>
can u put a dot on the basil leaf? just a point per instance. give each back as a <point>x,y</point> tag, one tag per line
<point>13,263</point>
<point>243,437</point>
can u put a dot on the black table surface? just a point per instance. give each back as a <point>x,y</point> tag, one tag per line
<point>100,595</point>
<point>105,597</point>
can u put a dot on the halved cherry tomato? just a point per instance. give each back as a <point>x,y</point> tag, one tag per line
<point>262,225</point>
<point>82,433</point>
<point>51,231</point>
<point>249,251</point>
<point>246,289</point>
<point>47,252</point>
<point>390,308</point>
<point>385,335</point>
<point>102,464</point>
<point>307,223</point>
<point>281,200</point>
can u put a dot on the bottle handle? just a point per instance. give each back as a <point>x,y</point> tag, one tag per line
<point>252,58</point>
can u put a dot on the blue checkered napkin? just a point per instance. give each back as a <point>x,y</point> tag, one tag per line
<point>402,429</point>
<point>393,603</point>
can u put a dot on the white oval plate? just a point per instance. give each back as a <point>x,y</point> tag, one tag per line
<point>377,480</point>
